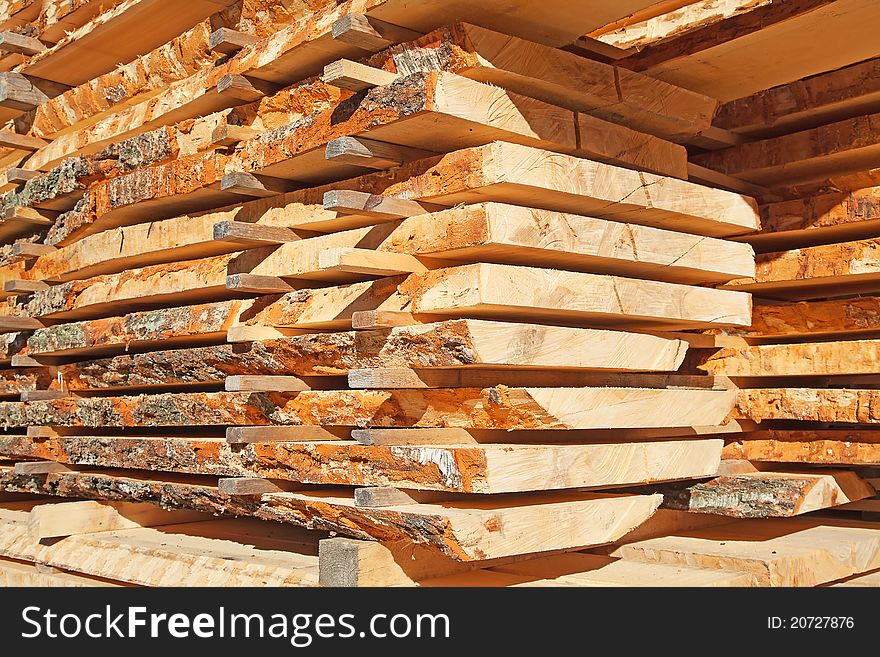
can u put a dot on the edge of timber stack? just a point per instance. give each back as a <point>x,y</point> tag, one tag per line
<point>382,293</point>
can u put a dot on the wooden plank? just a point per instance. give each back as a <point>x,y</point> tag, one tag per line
<point>39,468</point>
<point>512,173</point>
<point>839,94</point>
<point>819,405</point>
<point>162,328</point>
<point>367,207</point>
<point>368,33</point>
<point>9,324</point>
<point>516,292</point>
<point>228,41</point>
<point>508,293</point>
<point>500,545</point>
<point>413,379</point>
<point>790,552</point>
<point>802,359</point>
<point>493,232</point>
<point>24,287</point>
<point>815,272</point>
<point>19,176</point>
<point>346,562</point>
<point>30,250</point>
<point>222,552</point>
<point>821,446</point>
<point>257,284</point>
<point>813,154</point>
<point>249,486</point>
<point>490,408</point>
<point>363,320</point>
<point>256,383</point>
<point>187,282</point>
<point>248,234</point>
<point>20,142</point>
<point>368,262</point>
<point>243,89</point>
<point>13,42</point>
<point>762,48</point>
<point>768,494</point>
<point>847,318</point>
<point>379,496</point>
<point>482,469</point>
<point>248,184</point>
<point>369,153</point>
<point>34,216</point>
<point>41,395</point>
<point>89,517</point>
<point>355,76</point>
<point>247,435</point>
<point>243,333</point>
<point>18,95</point>
<point>230,135</point>
<point>816,220</point>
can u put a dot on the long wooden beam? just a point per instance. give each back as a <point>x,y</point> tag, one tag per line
<point>141,245</point>
<point>819,447</point>
<point>810,404</point>
<point>489,408</point>
<point>820,99</point>
<point>849,145</point>
<point>843,318</point>
<point>816,272</point>
<point>510,173</point>
<point>161,328</point>
<point>816,220</point>
<point>514,294</point>
<point>802,359</point>
<point>456,343</point>
<point>483,469</point>
<point>465,532</point>
<point>190,281</point>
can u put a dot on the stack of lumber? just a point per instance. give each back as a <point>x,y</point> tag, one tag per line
<point>375,293</point>
<point>806,147</point>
